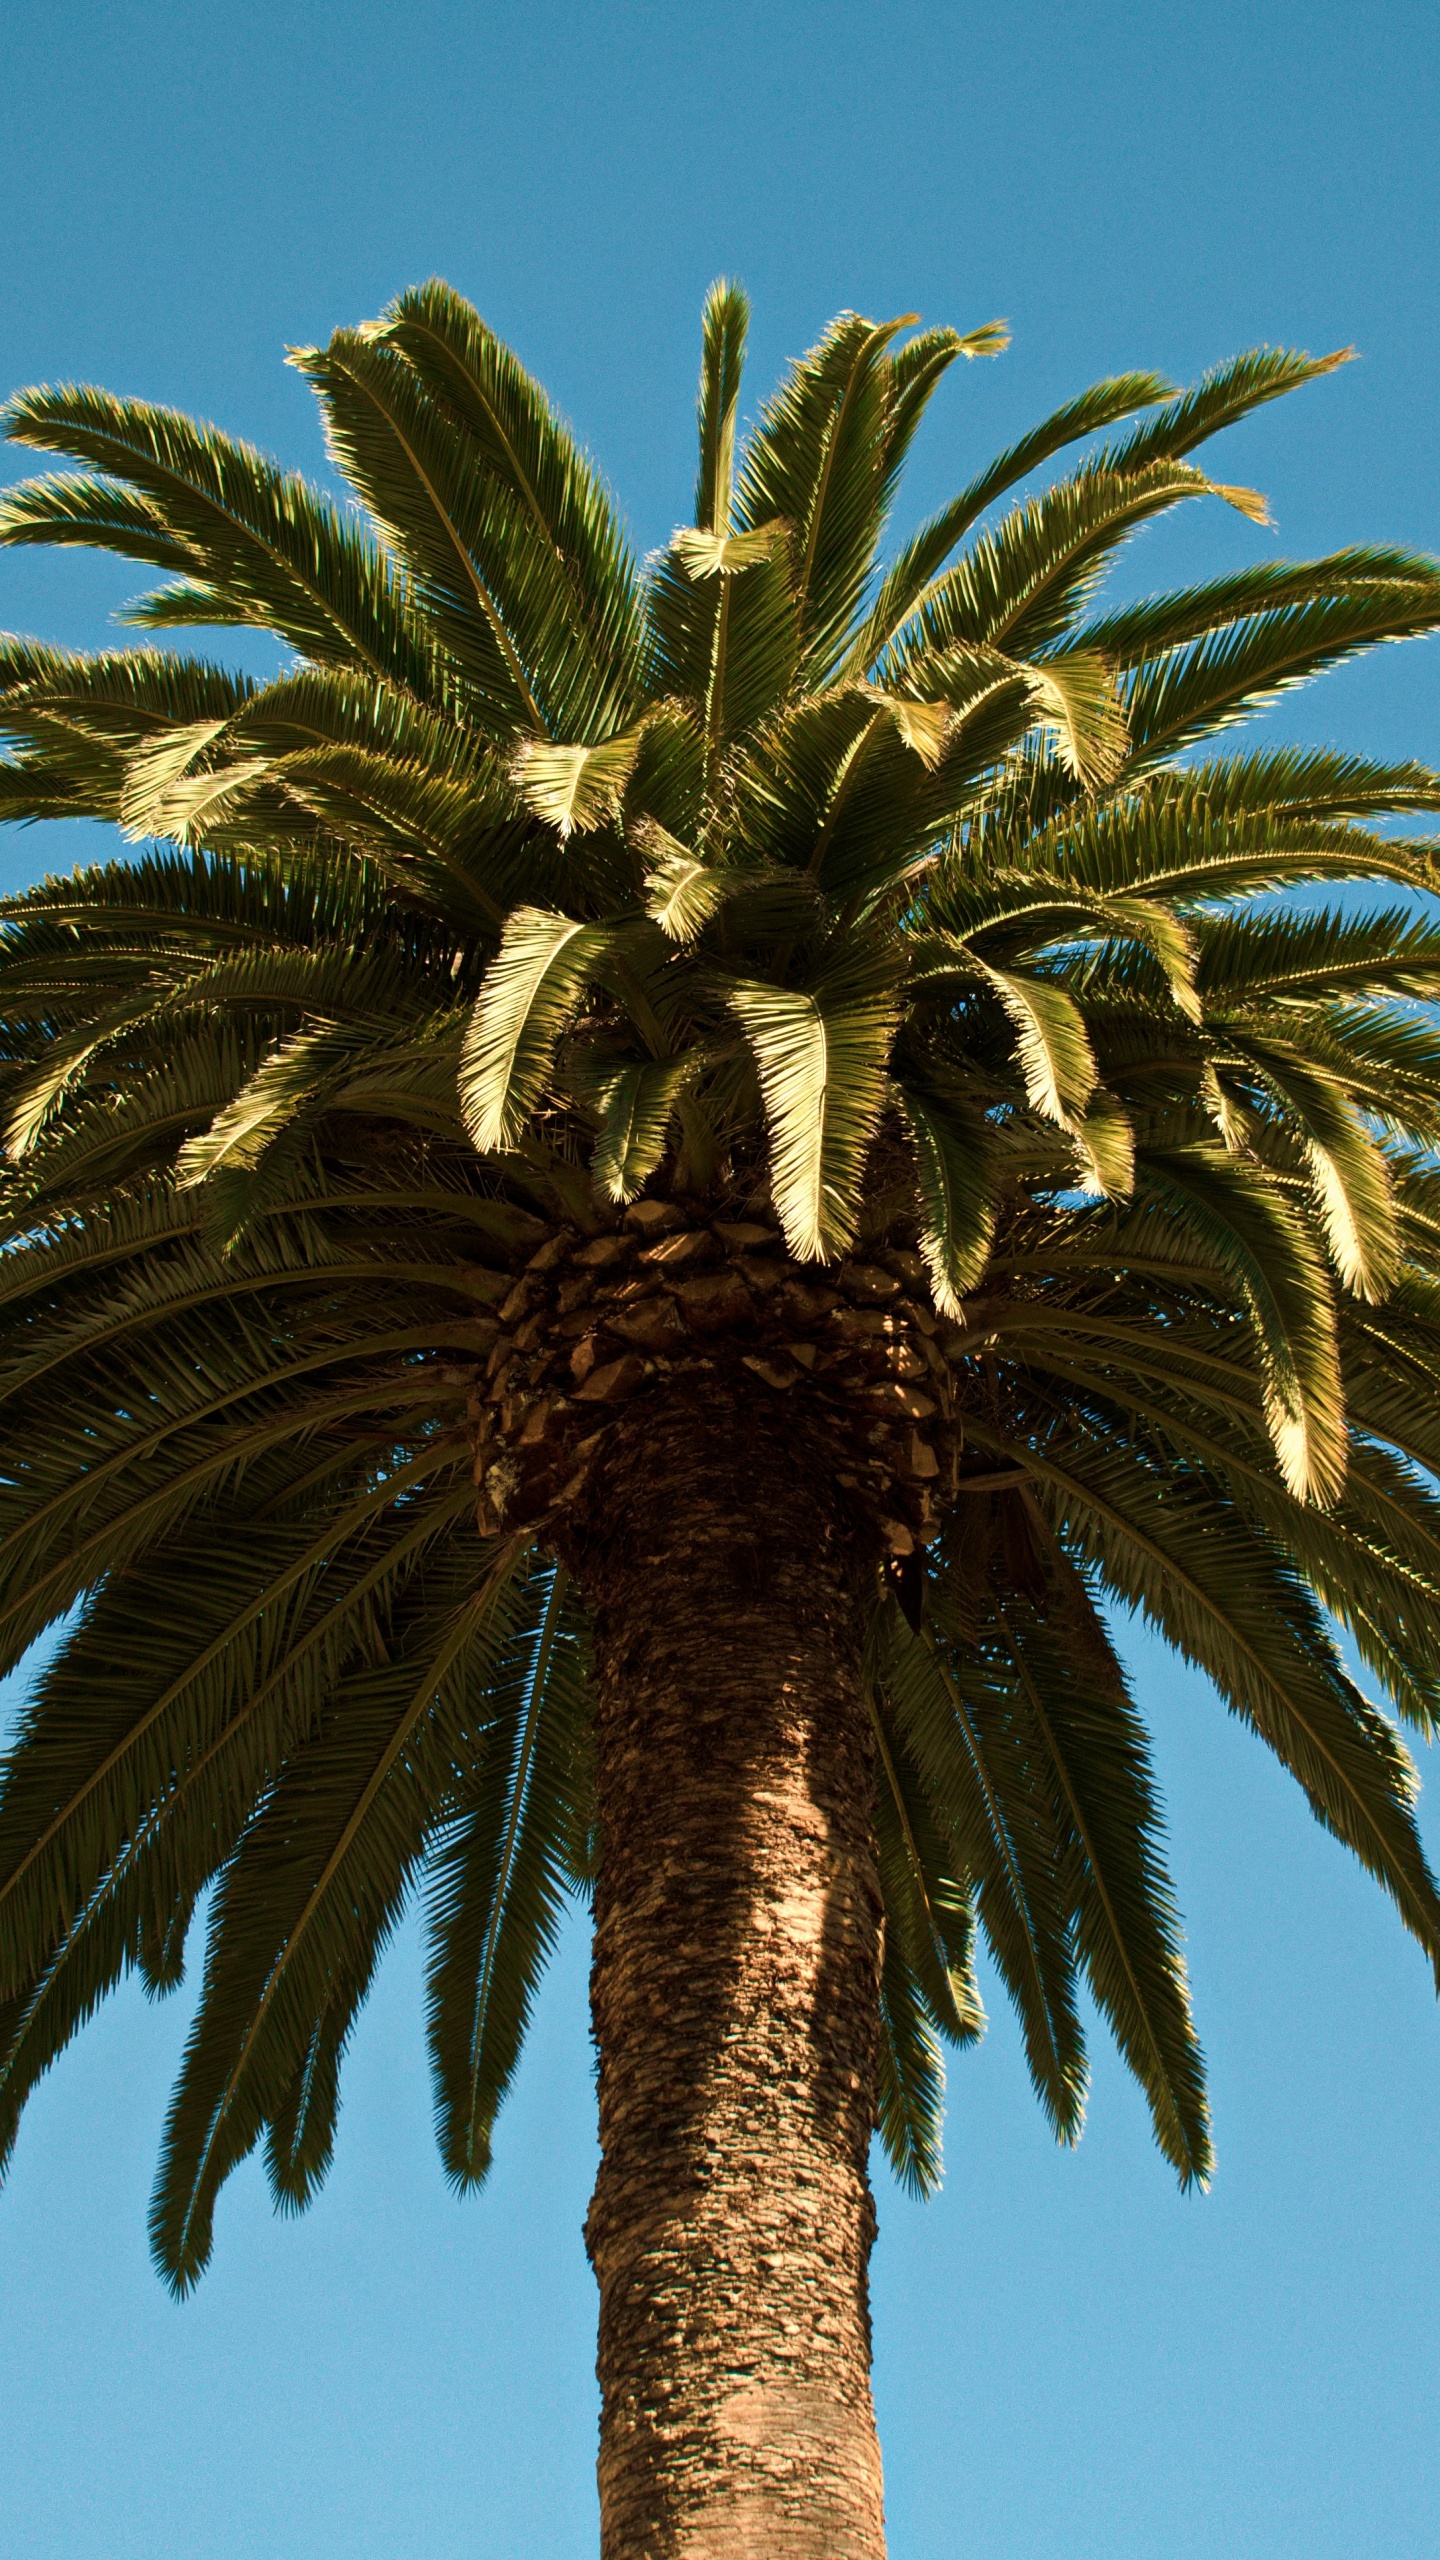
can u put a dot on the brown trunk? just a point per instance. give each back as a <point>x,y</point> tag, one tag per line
<point>737,1952</point>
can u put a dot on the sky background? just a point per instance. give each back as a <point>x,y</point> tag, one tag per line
<point>1073,2362</point>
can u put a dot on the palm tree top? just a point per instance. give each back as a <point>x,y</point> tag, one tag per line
<point>857,963</point>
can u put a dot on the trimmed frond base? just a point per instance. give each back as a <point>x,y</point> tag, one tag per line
<point>599,1326</point>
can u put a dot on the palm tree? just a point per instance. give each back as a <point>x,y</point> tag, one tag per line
<point>648,1191</point>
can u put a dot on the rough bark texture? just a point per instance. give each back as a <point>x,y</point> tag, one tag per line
<point>737,1953</point>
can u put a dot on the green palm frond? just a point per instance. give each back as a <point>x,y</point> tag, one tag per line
<point>959,1729</point>
<point>1126,1928</point>
<point>533,987</point>
<point>820,1062</point>
<point>316,1887</point>
<point>925,555</point>
<point>571,595</point>
<point>252,544</point>
<point>911,2079</point>
<point>1186,694</point>
<point>499,1875</point>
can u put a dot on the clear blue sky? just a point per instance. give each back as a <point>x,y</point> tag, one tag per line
<point>1073,2363</point>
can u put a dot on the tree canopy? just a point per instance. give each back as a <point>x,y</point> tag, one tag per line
<point>884,910</point>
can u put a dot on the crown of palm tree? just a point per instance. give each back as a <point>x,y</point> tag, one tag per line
<point>503,1006</point>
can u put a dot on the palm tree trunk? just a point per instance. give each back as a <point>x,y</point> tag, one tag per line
<point>734,1991</point>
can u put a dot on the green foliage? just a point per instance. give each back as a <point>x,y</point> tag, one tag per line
<point>895,896</point>
<point>820,1062</point>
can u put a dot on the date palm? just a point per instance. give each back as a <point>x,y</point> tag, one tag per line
<point>647,1192</point>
